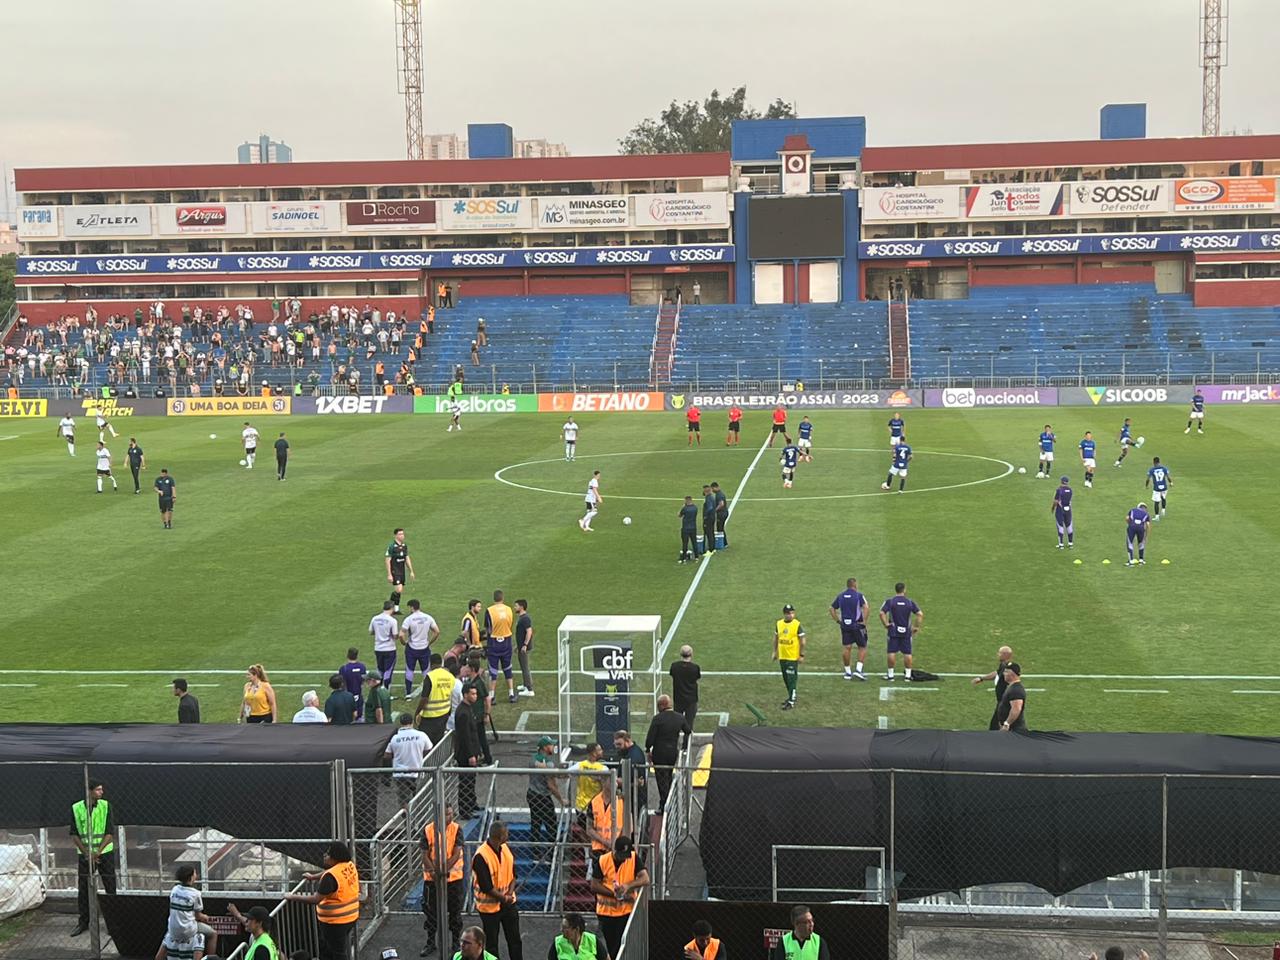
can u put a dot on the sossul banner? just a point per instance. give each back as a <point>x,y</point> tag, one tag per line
<point>809,399</point>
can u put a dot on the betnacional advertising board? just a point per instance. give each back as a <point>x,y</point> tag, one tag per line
<point>969,398</point>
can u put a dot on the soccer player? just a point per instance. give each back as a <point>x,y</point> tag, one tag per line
<point>849,610</point>
<point>1126,440</point>
<point>895,614</point>
<point>417,633</point>
<point>67,430</point>
<point>788,650</point>
<point>593,501</point>
<point>1160,481</point>
<point>1088,457</point>
<point>1197,413</point>
<point>790,457</point>
<point>104,466</point>
<point>282,456</point>
<point>167,490</point>
<point>898,468</point>
<point>1061,508</point>
<point>694,416</point>
<point>805,440</point>
<point>383,628</point>
<point>137,462</point>
<point>455,415</point>
<point>779,424</point>
<point>104,425</point>
<point>688,515</point>
<point>1046,452</point>
<point>398,561</point>
<point>249,437</point>
<point>735,427</point>
<point>897,426</point>
<point>570,433</point>
<point>1138,526</point>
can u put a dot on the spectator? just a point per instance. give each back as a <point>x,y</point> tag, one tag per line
<point>377,704</point>
<point>258,704</point>
<point>575,941</point>
<point>1117,953</point>
<point>627,749</point>
<point>188,705</point>
<point>482,335</point>
<point>466,751</point>
<point>493,871</point>
<point>310,712</point>
<point>542,794</point>
<point>795,942</point>
<point>408,752</point>
<point>340,708</point>
<point>704,946</point>
<point>685,675</point>
<point>697,292</point>
<point>664,742</point>
<point>1005,654</point>
<point>475,354</point>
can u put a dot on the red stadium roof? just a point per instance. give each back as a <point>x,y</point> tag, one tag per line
<point>1070,153</point>
<point>379,172</point>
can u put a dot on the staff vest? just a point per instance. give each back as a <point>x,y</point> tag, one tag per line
<point>437,704</point>
<point>343,905</point>
<point>586,948</point>
<point>502,876</point>
<point>93,833</point>
<point>607,820</point>
<point>612,874</point>
<point>262,941</point>
<point>793,950</point>
<point>450,845</point>
<point>713,948</point>
<point>500,618</point>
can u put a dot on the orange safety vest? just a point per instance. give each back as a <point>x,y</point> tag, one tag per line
<point>713,948</point>
<point>450,845</point>
<point>500,618</point>
<point>266,391</point>
<point>343,905</point>
<point>612,874</point>
<point>502,873</point>
<point>422,326</point>
<point>379,368</point>
<point>389,388</point>
<point>600,817</point>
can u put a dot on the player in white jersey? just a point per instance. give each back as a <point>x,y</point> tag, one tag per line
<point>104,466</point>
<point>570,434</point>
<point>67,430</point>
<point>104,425</point>
<point>249,437</point>
<point>594,500</point>
<point>455,415</point>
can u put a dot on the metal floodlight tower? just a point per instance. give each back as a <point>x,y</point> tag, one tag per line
<point>1213,57</point>
<point>409,71</point>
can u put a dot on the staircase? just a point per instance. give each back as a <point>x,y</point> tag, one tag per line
<point>899,341</point>
<point>663,353</point>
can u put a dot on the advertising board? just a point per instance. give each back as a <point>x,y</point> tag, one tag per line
<point>229,406</point>
<point>1225,193</point>
<point>1013,200</point>
<point>968,398</point>
<point>600,402</point>
<point>107,220</point>
<point>479,403</point>
<point>1110,198</point>
<point>180,219</point>
<point>1113,396</point>
<point>910,203</point>
<point>316,216</point>
<point>588,213</point>
<point>1241,393</point>
<point>807,399</point>
<point>36,222</point>
<point>486,213</point>
<point>681,209</point>
<point>385,215</point>
<point>352,405</point>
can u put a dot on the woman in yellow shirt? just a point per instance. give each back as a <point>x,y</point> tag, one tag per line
<point>259,704</point>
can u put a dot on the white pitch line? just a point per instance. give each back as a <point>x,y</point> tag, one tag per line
<point>1273,692</point>
<point>886,693</point>
<point>882,723</point>
<point>706,560</point>
<point>1135,691</point>
<point>17,684</point>
<point>102,685</point>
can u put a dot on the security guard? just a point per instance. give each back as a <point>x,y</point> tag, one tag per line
<point>337,900</point>
<point>575,943</point>
<point>493,873</point>
<point>434,716</point>
<point>704,946</point>
<point>788,650</point>
<point>608,822</point>
<point>621,874</point>
<point>262,946</point>
<point>451,860</point>
<point>801,943</point>
<point>93,833</point>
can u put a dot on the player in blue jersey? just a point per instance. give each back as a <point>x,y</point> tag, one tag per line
<point>1160,481</point>
<point>901,457</point>
<point>1197,412</point>
<point>805,440</point>
<point>1088,452</point>
<point>1062,513</point>
<point>1138,526</point>
<point>1046,452</point>
<point>790,457</point>
<point>1127,440</point>
<point>896,427</point>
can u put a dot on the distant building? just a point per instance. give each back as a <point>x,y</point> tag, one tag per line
<point>8,238</point>
<point>540,148</point>
<point>443,146</point>
<point>264,150</point>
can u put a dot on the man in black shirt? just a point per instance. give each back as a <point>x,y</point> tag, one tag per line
<point>167,491</point>
<point>340,708</point>
<point>282,456</point>
<point>663,745</point>
<point>1012,711</point>
<point>688,515</point>
<point>137,462</point>
<point>1006,654</point>
<point>524,644</point>
<point>708,519</point>
<point>722,512</point>
<point>685,675</point>
<point>466,750</point>
<point>188,706</point>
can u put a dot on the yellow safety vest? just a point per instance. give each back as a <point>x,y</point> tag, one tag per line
<point>437,704</point>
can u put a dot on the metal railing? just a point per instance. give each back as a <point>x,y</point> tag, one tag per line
<point>291,927</point>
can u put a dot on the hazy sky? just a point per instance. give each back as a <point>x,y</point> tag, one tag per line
<point>179,81</point>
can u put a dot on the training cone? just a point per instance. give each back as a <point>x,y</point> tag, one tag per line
<point>1106,563</point>
<point>1164,562</point>
<point>1077,561</point>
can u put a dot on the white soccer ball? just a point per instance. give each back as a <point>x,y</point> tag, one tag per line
<point>884,486</point>
<point>626,521</point>
<point>1141,441</point>
<point>213,436</point>
<point>1022,469</point>
<point>244,463</point>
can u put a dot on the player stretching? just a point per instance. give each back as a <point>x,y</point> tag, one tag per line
<point>1127,440</point>
<point>1139,525</point>
<point>735,426</point>
<point>805,441</point>
<point>455,416</point>
<point>249,437</point>
<point>593,500</point>
<point>1197,412</point>
<point>397,563</point>
<point>104,466</point>
<point>1062,513</point>
<point>570,433</point>
<point>779,424</point>
<point>67,430</point>
<point>901,457</point>
<point>1046,452</point>
<point>694,416</point>
<point>1160,481</point>
<point>896,427</point>
<point>1088,451</point>
<point>104,425</point>
<point>790,457</point>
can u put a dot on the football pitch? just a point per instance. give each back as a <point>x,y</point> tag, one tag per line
<point>102,607</point>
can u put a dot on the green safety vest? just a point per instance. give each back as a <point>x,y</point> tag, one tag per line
<point>98,826</point>
<point>262,941</point>
<point>485,956</point>
<point>792,950</point>
<point>587,948</point>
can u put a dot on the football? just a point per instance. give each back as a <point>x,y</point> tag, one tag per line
<point>1022,469</point>
<point>213,436</point>
<point>626,521</point>
<point>244,463</point>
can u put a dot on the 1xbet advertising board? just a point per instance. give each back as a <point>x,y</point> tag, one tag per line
<point>352,406</point>
<point>806,400</point>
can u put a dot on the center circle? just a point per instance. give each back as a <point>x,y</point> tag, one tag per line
<point>1008,469</point>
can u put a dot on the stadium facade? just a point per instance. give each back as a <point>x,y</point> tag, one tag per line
<point>800,211</point>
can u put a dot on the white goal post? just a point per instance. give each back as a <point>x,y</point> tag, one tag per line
<point>609,650</point>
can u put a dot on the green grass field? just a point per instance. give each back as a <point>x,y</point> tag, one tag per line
<point>102,606</point>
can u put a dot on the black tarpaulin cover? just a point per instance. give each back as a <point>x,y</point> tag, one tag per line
<point>1073,809</point>
<point>249,781</point>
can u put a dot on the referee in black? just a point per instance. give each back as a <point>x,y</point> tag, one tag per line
<point>282,456</point>
<point>137,462</point>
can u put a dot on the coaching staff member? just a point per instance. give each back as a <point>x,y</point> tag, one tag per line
<point>167,490</point>
<point>137,462</point>
<point>1012,711</point>
<point>1005,654</point>
<point>282,456</point>
<point>685,675</point>
<point>663,743</point>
